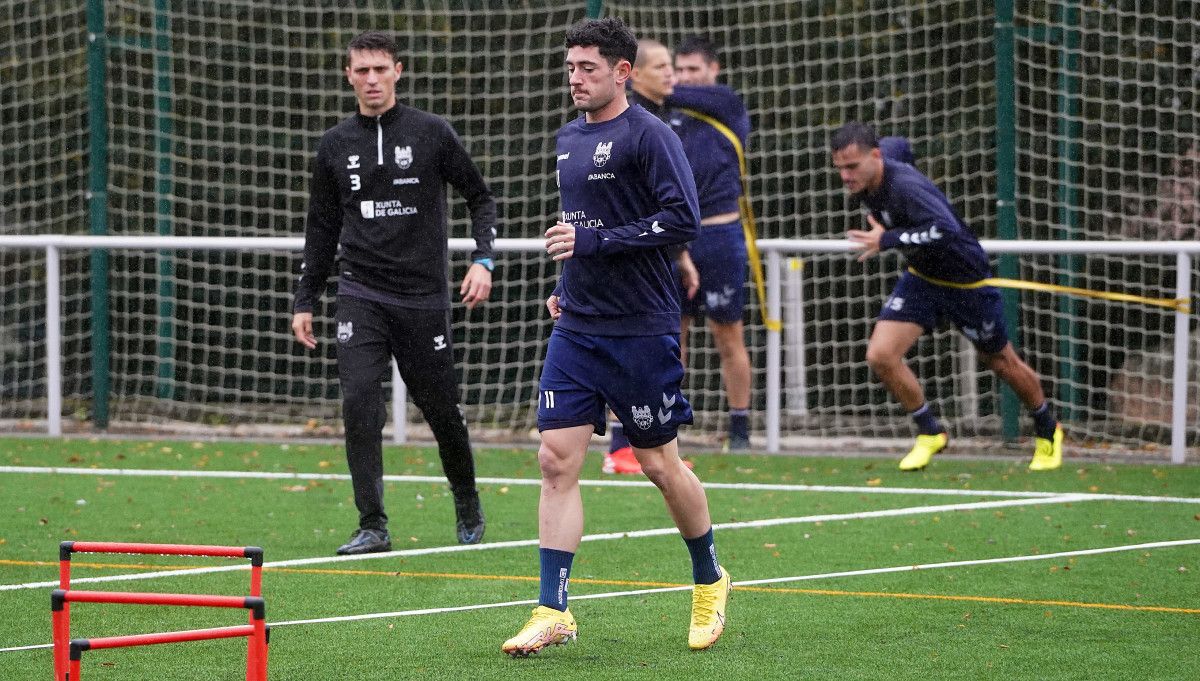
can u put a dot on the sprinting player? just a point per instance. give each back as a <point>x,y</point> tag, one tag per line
<point>379,193</point>
<point>627,194</point>
<point>906,211</point>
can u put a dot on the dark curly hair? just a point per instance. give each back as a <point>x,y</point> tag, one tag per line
<point>613,38</point>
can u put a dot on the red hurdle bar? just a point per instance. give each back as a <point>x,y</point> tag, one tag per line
<point>61,614</point>
<point>256,631</point>
<point>79,645</point>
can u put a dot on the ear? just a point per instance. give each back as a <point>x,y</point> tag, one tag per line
<point>399,68</point>
<point>623,70</point>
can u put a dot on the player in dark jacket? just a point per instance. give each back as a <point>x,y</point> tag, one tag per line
<point>378,201</point>
<point>946,264</point>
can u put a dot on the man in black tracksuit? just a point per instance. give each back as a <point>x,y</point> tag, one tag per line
<point>379,193</point>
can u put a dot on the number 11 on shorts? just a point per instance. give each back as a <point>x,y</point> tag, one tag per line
<point>548,397</point>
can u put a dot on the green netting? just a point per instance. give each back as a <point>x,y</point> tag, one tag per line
<point>214,109</point>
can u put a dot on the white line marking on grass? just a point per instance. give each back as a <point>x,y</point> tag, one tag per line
<point>33,647</point>
<point>752,582</point>
<point>851,489</point>
<point>982,561</point>
<point>660,531</point>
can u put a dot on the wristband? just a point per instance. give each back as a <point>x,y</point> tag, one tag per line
<point>487,263</point>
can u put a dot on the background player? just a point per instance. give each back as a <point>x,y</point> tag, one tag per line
<point>626,195</point>
<point>719,251</point>
<point>652,79</point>
<point>906,211</point>
<point>378,193</point>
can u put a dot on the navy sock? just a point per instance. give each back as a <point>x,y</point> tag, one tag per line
<point>704,558</point>
<point>927,423</point>
<point>1043,423</point>
<point>739,423</point>
<point>556,572</point>
<point>618,439</point>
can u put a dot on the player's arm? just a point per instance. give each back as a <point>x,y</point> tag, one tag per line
<point>665,168</point>
<point>322,230</point>
<point>718,101</point>
<point>460,171</point>
<point>936,227</point>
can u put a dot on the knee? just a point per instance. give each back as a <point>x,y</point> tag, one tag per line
<point>881,360</point>
<point>728,339</point>
<point>660,469</point>
<point>553,464</point>
<point>1003,362</point>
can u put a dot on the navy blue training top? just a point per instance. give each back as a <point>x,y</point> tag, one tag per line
<point>626,186</point>
<point>923,225</point>
<point>712,156</point>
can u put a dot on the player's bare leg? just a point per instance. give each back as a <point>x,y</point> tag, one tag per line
<point>1048,443</point>
<point>735,372</point>
<point>890,341</point>
<point>688,506</point>
<point>680,487</point>
<point>560,527</point>
<point>1013,370</point>
<point>560,509</point>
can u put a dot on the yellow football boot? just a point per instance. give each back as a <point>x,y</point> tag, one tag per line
<point>547,627</point>
<point>708,612</point>
<point>924,449</point>
<point>1047,454</point>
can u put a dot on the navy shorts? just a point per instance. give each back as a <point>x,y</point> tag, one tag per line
<point>720,256</point>
<point>977,312</point>
<point>637,377</point>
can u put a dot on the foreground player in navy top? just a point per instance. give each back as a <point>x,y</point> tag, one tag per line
<point>627,194</point>
<point>906,211</point>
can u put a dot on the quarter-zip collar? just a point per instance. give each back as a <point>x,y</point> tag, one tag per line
<point>377,124</point>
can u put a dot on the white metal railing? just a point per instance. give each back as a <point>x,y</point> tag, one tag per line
<point>773,248</point>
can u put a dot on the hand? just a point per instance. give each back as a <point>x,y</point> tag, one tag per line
<point>867,241</point>
<point>552,306</point>
<point>302,327</point>
<point>476,286</point>
<point>689,276</point>
<point>560,241</point>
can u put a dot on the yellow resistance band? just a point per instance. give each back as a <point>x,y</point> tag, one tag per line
<point>747,212</point>
<point>1180,304</point>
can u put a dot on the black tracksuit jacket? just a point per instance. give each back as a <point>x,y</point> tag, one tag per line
<point>379,191</point>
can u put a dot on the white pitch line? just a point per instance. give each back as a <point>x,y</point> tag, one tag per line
<point>982,561</point>
<point>656,532</point>
<point>755,486</point>
<point>752,582</point>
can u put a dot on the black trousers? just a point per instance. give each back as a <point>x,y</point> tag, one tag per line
<point>368,333</point>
